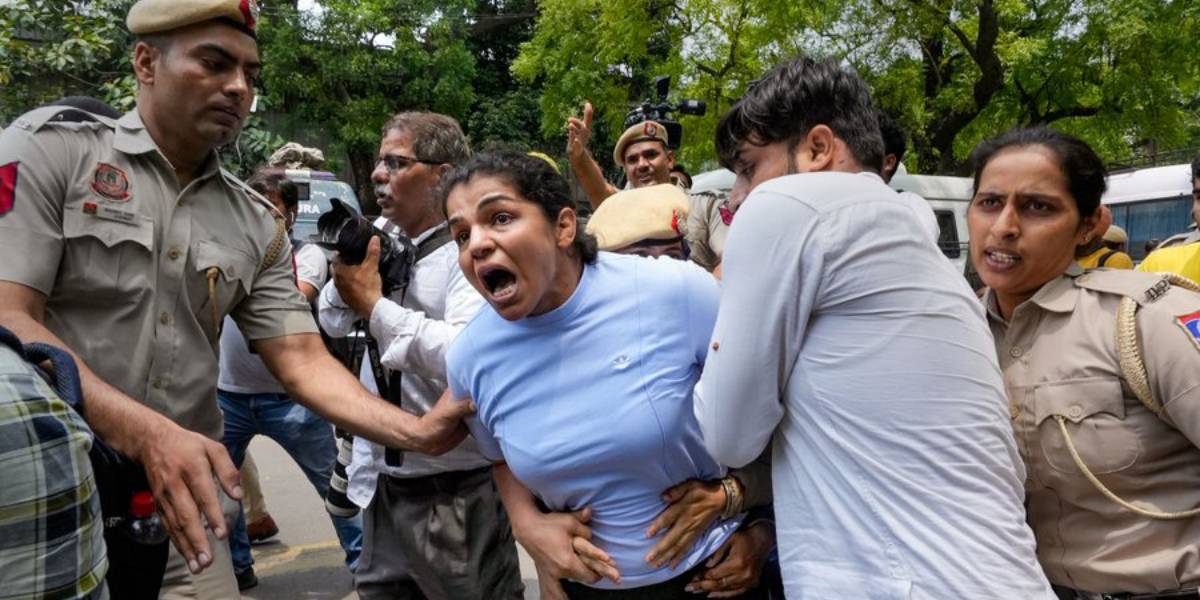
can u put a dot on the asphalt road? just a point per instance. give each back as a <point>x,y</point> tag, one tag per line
<point>305,561</point>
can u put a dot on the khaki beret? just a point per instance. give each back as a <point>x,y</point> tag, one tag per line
<point>1115,235</point>
<point>154,16</point>
<point>656,212</point>
<point>646,130</point>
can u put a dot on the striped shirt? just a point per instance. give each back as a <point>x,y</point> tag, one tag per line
<point>51,530</point>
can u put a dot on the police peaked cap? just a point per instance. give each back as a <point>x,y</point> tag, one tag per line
<point>644,131</point>
<point>656,212</point>
<point>155,16</point>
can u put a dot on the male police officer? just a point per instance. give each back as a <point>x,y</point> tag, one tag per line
<point>126,243</point>
<point>644,154</point>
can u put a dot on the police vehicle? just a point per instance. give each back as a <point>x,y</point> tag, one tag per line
<point>1151,204</point>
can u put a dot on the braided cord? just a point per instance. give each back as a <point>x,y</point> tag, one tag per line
<point>1153,514</point>
<point>1133,369</point>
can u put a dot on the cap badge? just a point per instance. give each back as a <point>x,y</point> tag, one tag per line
<point>675,222</point>
<point>650,130</point>
<point>249,10</point>
<point>110,182</point>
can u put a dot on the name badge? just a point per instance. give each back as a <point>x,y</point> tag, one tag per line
<point>109,213</point>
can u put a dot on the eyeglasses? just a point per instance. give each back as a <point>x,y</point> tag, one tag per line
<point>399,162</point>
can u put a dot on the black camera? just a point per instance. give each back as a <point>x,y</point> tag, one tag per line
<point>657,109</point>
<point>348,233</point>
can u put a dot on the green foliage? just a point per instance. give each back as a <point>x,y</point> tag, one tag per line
<point>1120,73</point>
<point>55,48</point>
<point>337,75</point>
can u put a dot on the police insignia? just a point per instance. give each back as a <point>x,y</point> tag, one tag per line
<point>8,186</point>
<point>650,129</point>
<point>249,10</point>
<point>110,182</point>
<point>1191,324</point>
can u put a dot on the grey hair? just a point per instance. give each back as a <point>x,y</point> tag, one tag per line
<point>435,137</point>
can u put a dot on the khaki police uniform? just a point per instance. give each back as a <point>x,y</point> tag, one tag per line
<point>1059,358</point>
<point>708,224</point>
<point>96,220</point>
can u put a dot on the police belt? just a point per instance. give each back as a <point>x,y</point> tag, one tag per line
<point>1070,594</point>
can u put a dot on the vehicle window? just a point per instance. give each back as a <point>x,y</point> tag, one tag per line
<point>948,233</point>
<point>1152,220</point>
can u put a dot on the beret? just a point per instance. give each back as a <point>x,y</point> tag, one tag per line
<point>154,16</point>
<point>1116,235</point>
<point>646,130</point>
<point>656,212</point>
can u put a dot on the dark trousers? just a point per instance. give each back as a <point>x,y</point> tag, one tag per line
<point>441,537</point>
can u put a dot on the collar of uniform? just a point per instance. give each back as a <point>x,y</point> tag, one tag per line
<point>132,136</point>
<point>1058,294</point>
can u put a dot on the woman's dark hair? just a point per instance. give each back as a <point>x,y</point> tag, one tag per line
<point>794,97</point>
<point>268,181</point>
<point>532,178</point>
<point>1084,170</point>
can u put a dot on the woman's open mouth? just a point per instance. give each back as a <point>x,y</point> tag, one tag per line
<point>999,260</point>
<point>500,283</point>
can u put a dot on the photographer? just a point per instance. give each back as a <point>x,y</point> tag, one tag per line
<point>644,151</point>
<point>422,537</point>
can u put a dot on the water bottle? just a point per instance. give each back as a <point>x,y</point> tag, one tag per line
<point>144,525</point>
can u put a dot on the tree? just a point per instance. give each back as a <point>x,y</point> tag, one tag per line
<point>1119,73</point>
<point>335,75</point>
<point>55,48</point>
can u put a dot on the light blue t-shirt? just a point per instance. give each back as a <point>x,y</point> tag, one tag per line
<point>591,404</point>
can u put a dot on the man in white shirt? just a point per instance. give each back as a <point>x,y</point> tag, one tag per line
<point>433,527</point>
<point>843,330</point>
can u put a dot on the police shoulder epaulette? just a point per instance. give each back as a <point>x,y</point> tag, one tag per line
<point>275,247</point>
<point>65,116</point>
<point>1140,287</point>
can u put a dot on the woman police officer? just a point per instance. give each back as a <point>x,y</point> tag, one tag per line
<point>1107,424</point>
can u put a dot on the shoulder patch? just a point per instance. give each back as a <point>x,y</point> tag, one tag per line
<point>8,186</point>
<point>1143,288</point>
<point>1190,323</point>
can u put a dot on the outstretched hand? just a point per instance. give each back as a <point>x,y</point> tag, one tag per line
<point>180,466</point>
<point>579,132</point>
<point>442,427</point>
<point>693,506</point>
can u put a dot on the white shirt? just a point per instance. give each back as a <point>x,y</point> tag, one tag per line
<point>845,330</point>
<point>241,370</point>
<point>413,338</point>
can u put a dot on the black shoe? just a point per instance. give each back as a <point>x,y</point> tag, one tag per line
<point>246,579</point>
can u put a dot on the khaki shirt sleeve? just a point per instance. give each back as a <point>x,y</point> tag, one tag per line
<point>31,232</point>
<point>697,231</point>
<point>275,307</point>
<point>1172,356</point>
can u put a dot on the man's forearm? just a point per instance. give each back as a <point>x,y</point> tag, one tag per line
<point>119,420</point>
<point>517,499</point>
<point>318,381</point>
<point>591,179</point>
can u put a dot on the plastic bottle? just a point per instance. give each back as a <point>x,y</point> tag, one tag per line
<point>144,525</point>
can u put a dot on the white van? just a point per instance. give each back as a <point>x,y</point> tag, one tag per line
<point>1151,204</point>
<point>947,196</point>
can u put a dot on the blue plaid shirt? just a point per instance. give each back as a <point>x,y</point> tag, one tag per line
<point>51,529</point>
